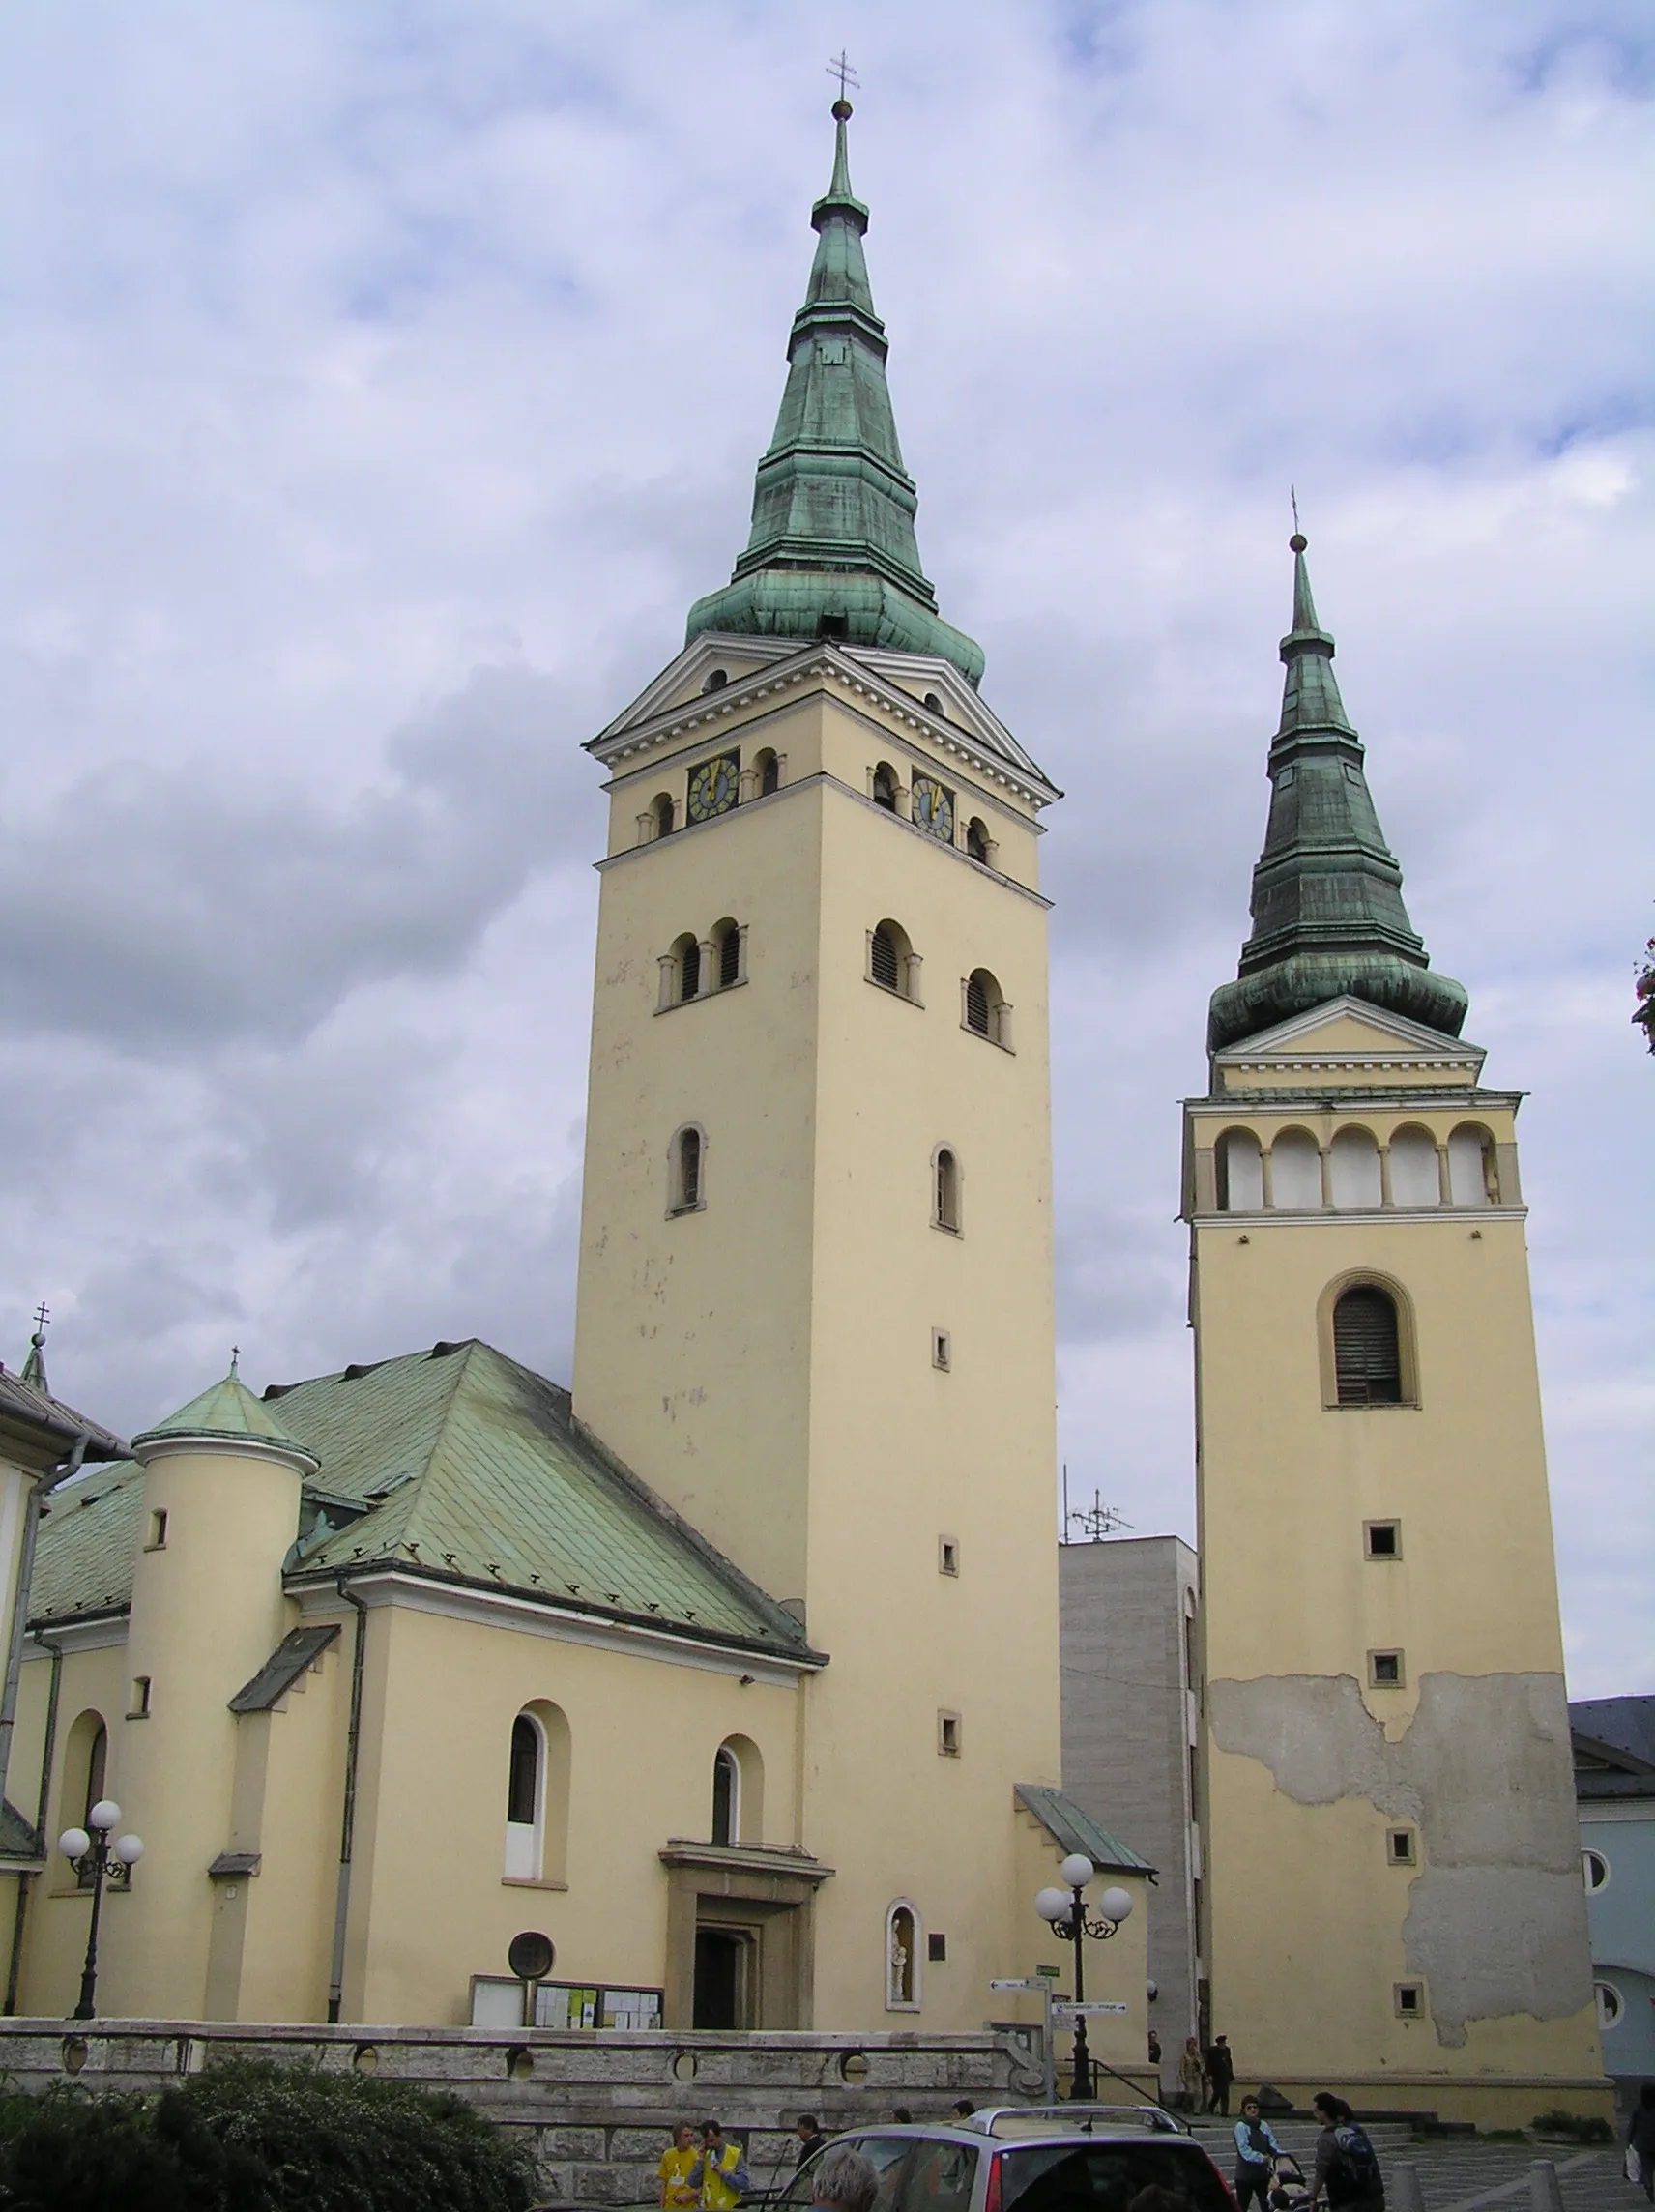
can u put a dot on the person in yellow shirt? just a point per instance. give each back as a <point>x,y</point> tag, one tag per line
<point>677,2192</point>
<point>720,2173</point>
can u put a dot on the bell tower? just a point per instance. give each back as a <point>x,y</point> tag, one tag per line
<point>815,1294</point>
<point>1392,1902</point>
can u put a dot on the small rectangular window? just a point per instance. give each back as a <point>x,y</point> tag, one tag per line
<point>942,1349</point>
<point>1383,1539</point>
<point>1400,1847</point>
<point>1409,1999</point>
<point>139,1709</point>
<point>948,1734</point>
<point>157,1532</point>
<point>1386,1671</point>
<point>947,1556</point>
<point>936,1949</point>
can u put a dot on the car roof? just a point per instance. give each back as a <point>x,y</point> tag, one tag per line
<point>1023,2123</point>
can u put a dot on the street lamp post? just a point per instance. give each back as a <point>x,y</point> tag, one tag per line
<point>77,1845</point>
<point>1065,1910</point>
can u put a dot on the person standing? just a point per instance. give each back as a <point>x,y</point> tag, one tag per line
<point>810,2138</point>
<point>719,2173</point>
<point>1192,2075</point>
<point>1641,2141</point>
<point>1220,2074</point>
<point>673,2173</point>
<point>1347,2164</point>
<point>1256,2146</point>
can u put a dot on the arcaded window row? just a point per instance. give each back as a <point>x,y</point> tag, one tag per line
<point>1357,1171</point>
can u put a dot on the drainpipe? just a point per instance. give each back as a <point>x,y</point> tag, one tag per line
<point>347,1826</point>
<point>25,1576</point>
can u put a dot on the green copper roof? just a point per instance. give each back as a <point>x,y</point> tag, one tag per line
<point>1327,912</point>
<point>458,1465</point>
<point>833,551</point>
<point>229,1409</point>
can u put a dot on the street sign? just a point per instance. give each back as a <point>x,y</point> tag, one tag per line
<point>1063,2013</point>
<point>1049,1973</point>
<point>1036,1986</point>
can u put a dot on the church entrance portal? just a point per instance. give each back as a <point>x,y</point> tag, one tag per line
<point>722,1974</point>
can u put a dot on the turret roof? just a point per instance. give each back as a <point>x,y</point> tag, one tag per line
<point>1327,909</point>
<point>226,1408</point>
<point>832,550</point>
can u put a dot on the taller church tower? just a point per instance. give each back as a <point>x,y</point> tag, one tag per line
<point>815,1294</point>
<point>1393,1903</point>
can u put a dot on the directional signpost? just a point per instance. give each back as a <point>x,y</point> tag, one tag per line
<point>1040,1985</point>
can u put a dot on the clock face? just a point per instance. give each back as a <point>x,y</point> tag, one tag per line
<point>934,807</point>
<point>714,787</point>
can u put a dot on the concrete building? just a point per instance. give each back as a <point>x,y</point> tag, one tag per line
<point>1127,1627</point>
<point>1614,1786</point>
<point>694,1669</point>
<point>1394,1897</point>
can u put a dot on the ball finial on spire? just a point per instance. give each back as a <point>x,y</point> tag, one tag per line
<point>842,111</point>
<point>1297,542</point>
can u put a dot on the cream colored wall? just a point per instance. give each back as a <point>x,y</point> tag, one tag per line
<point>14,1485</point>
<point>767,1363</point>
<point>1306,1916</point>
<point>54,1944</point>
<point>430,1904</point>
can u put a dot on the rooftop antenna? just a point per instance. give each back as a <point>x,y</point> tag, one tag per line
<point>1095,1521</point>
<point>845,75</point>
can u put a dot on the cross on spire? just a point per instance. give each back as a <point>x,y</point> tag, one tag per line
<point>845,75</point>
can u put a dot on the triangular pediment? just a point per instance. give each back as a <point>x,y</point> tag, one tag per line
<point>684,677</point>
<point>1347,1029</point>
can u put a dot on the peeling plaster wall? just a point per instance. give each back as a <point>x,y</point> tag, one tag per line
<point>1497,1920</point>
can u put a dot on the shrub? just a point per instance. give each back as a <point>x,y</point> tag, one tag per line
<point>251,2137</point>
<point>1577,2127</point>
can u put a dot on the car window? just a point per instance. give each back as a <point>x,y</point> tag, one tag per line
<point>885,2154</point>
<point>1105,2178</point>
<point>940,2178</point>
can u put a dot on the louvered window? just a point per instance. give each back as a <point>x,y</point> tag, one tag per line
<point>884,787</point>
<point>690,1170</point>
<point>1367,1361</point>
<point>691,983</point>
<point>887,966</point>
<point>729,958</point>
<point>976,1006</point>
<point>770,774</point>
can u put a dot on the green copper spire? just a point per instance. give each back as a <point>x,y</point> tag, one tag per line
<point>833,551</point>
<point>1327,912</point>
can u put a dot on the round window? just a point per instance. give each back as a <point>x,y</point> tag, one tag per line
<point>1611,2004</point>
<point>1595,1867</point>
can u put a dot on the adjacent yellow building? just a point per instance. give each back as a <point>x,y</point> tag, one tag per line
<point>1392,1898</point>
<point>733,1672</point>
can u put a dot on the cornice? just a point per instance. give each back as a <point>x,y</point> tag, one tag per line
<point>1339,1216</point>
<point>712,711</point>
<point>506,1609</point>
<point>78,1632</point>
<point>1418,1094</point>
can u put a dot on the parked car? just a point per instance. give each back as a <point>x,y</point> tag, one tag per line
<point>1060,2158</point>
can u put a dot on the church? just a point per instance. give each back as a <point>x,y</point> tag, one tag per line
<point>694,1667</point>
<point>732,1669</point>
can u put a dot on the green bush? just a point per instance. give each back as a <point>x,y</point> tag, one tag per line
<point>1576,2127</point>
<point>250,2136</point>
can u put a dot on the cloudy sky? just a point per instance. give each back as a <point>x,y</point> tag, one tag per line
<point>386,379</point>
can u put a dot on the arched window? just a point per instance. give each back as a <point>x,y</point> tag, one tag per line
<point>726,1796</point>
<point>1240,1173</point>
<point>768,769</point>
<point>1296,1172</point>
<point>902,1957</point>
<point>1367,1349</point>
<point>729,939</point>
<point>663,810</point>
<point>85,1768</point>
<point>688,1180</point>
<point>885,786</point>
<point>979,843</point>
<point>1415,1179</point>
<point>944,1189</point>
<point>983,1007</point>
<point>1354,1170</point>
<point>893,962</point>
<point>936,707</point>
<point>715,680</point>
<point>537,1794</point>
<point>1472,1178</point>
<point>687,968</point>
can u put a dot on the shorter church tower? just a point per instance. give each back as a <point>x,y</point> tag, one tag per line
<point>1392,1902</point>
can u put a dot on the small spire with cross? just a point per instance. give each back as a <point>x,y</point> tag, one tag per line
<point>235,1361</point>
<point>35,1366</point>
<point>848,81</point>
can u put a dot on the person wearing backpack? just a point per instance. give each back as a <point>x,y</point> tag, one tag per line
<point>1347,2164</point>
<point>1256,2146</point>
